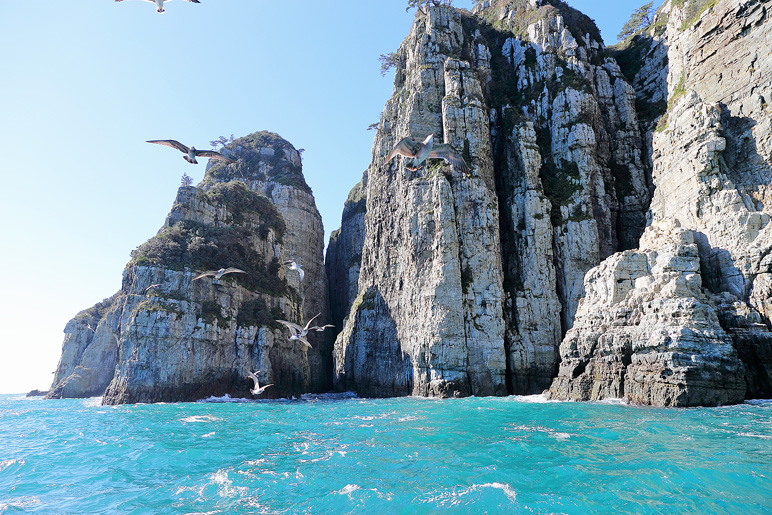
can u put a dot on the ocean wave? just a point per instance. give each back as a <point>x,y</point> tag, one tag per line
<point>7,463</point>
<point>457,495</point>
<point>759,402</point>
<point>20,503</point>
<point>225,398</point>
<point>538,398</point>
<point>200,418</point>
<point>330,396</point>
<point>307,397</point>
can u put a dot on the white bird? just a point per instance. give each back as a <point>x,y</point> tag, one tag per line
<point>295,266</point>
<point>160,4</point>
<point>301,333</point>
<point>152,286</point>
<point>192,152</point>
<point>258,389</point>
<point>217,274</point>
<point>419,152</point>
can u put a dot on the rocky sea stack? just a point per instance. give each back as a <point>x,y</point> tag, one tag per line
<point>611,239</point>
<point>166,337</point>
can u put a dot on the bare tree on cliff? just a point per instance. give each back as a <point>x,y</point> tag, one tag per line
<point>222,141</point>
<point>639,20</point>
<point>420,4</point>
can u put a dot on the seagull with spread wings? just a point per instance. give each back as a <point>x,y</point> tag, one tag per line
<point>418,152</point>
<point>301,333</point>
<point>160,4</point>
<point>192,152</point>
<point>257,389</point>
<point>294,266</point>
<point>217,274</point>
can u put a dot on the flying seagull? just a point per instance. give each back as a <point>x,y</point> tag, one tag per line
<point>301,333</point>
<point>419,152</point>
<point>258,389</point>
<point>217,274</point>
<point>160,4</point>
<point>152,286</point>
<point>192,152</point>
<point>295,266</point>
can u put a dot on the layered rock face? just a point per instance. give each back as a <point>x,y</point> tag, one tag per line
<point>467,282</point>
<point>711,171</point>
<point>168,337</point>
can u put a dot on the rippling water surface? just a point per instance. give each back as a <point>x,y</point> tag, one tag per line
<point>332,454</point>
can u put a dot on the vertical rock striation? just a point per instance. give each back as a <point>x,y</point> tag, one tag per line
<point>467,282</point>
<point>711,173</point>
<point>168,337</point>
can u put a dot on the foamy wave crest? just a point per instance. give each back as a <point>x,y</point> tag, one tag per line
<point>755,435</point>
<point>20,503</point>
<point>93,402</point>
<point>538,398</point>
<point>458,496</point>
<point>7,463</point>
<point>200,418</point>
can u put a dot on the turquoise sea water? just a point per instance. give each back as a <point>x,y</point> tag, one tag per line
<point>327,454</point>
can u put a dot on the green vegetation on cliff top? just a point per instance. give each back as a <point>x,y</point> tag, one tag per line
<point>189,244</point>
<point>251,152</point>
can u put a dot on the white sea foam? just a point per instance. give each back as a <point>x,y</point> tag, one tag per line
<point>348,489</point>
<point>455,496</point>
<point>208,435</point>
<point>20,503</point>
<point>7,463</point>
<point>538,398</point>
<point>754,435</point>
<point>508,490</point>
<point>200,418</point>
<point>614,401</point>
<point>93,402</point>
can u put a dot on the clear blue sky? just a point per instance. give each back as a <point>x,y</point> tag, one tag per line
<point>85,83</point>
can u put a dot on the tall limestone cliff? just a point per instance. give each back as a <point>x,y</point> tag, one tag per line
<point>168,337</point>
<point>685,320</point>
<point>467,282</point>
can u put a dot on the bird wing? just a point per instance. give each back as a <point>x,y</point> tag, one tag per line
<point>306,343</point>
<point>290,262</point>
<point>320,329</point>
<point>253,375</point>
<point>205,274</point>
<point>170,143</point>
<point>214,155</point>
<point>447,153</point>
<point>193,1</point>
<point>309,323</point>
<point>301,272</point>
<point>233,271</point>
<point>407,147</point>
<point>294,328</point>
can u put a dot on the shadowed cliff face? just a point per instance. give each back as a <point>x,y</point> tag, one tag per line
<point>168,337</point>
<point>467,283</point>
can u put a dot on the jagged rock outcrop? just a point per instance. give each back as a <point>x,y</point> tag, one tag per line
<point>168,337</point>
<point>467,282</point>
<point>711,171</point>
<point>648,332</point>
